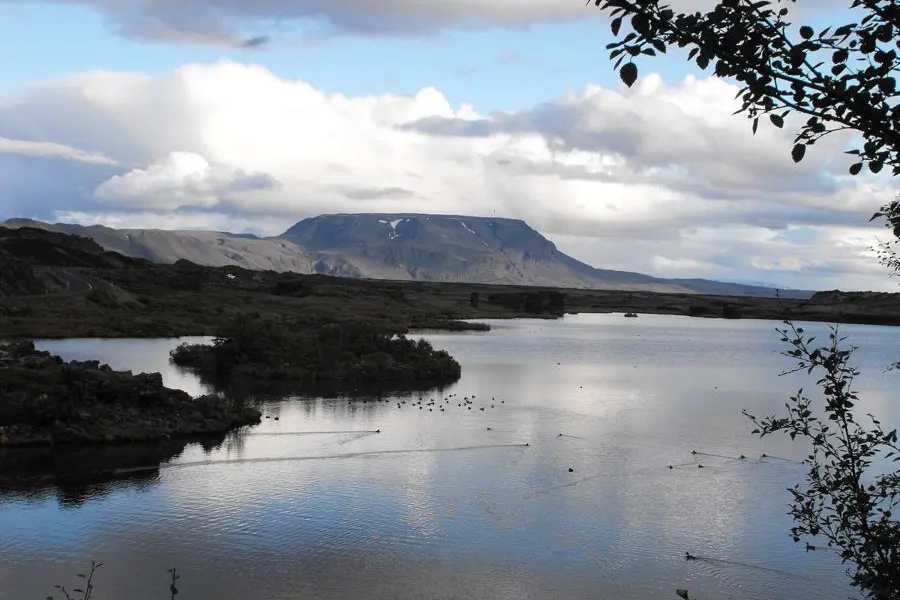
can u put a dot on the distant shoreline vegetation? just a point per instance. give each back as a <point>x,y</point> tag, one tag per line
<point>349,352</point>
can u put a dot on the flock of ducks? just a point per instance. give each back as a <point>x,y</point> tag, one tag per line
<point>467,402</point>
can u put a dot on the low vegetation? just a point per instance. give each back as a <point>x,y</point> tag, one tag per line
<point>353,352</point>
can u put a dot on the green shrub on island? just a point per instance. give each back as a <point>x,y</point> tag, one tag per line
<point>45,400</point>
<point>341,351</point>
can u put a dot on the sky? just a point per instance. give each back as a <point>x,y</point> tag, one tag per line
<point>248,115</point>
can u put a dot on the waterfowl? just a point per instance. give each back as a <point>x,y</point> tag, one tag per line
<point>809,547</point>
<point>689,556</point>
<point>571,470</point>
<point>682,593</point>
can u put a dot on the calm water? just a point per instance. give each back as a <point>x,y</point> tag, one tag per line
<point>437,505</point>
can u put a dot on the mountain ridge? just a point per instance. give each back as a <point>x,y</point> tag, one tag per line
<point>399,246</point>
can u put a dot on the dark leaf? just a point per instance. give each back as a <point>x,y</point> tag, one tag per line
<point>616,25</point>
<point>888,85</point>
<point>798,152</point>
<point>629,73</point>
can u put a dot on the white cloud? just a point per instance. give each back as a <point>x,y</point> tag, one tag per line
<point>660,179</point>
<point>52,150</point>
<point>181,179</point>
<point>678,136</point>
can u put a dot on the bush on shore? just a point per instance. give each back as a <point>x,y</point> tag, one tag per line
<point>342,351</point>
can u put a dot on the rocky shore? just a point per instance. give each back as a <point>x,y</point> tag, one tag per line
<point>47,401</point>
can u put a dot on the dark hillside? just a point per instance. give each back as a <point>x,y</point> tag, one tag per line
<point>52,249</point>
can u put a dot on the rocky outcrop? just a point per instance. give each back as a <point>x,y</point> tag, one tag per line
<point>46,401</point>
<point>17,277</point>
<point>49,248</point>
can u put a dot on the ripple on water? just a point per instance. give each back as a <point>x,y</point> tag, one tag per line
<point>439,506</point>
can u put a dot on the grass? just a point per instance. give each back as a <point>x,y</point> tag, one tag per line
<point>176,300</point>
<point>85,591</point>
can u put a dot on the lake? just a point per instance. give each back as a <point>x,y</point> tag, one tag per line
<point>451,503</point>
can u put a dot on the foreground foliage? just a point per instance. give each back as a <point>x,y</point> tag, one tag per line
<point>85,591</point>
<point>848,497</point>
<point>840,78</point>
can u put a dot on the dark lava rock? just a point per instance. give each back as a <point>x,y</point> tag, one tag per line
<point>46,401</point>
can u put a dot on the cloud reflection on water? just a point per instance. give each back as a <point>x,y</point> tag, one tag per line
<point>353,515</point>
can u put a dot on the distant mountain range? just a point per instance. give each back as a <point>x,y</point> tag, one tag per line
<point>394,246</point>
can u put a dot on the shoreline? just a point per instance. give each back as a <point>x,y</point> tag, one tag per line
<point>46,401</point>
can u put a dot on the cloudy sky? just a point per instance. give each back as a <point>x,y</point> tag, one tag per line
<point>248,115</point>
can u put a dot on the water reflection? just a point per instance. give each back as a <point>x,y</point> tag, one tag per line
<point>77,474</point>
<point>142,356</point>
<point>261,391</point>
<point>452,504</point>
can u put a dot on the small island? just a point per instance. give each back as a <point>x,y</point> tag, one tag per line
<point>350,352</point>
<point>47,401</point>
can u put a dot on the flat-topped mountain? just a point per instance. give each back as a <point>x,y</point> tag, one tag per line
<point>446,248</point>
<point>394,246</point>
